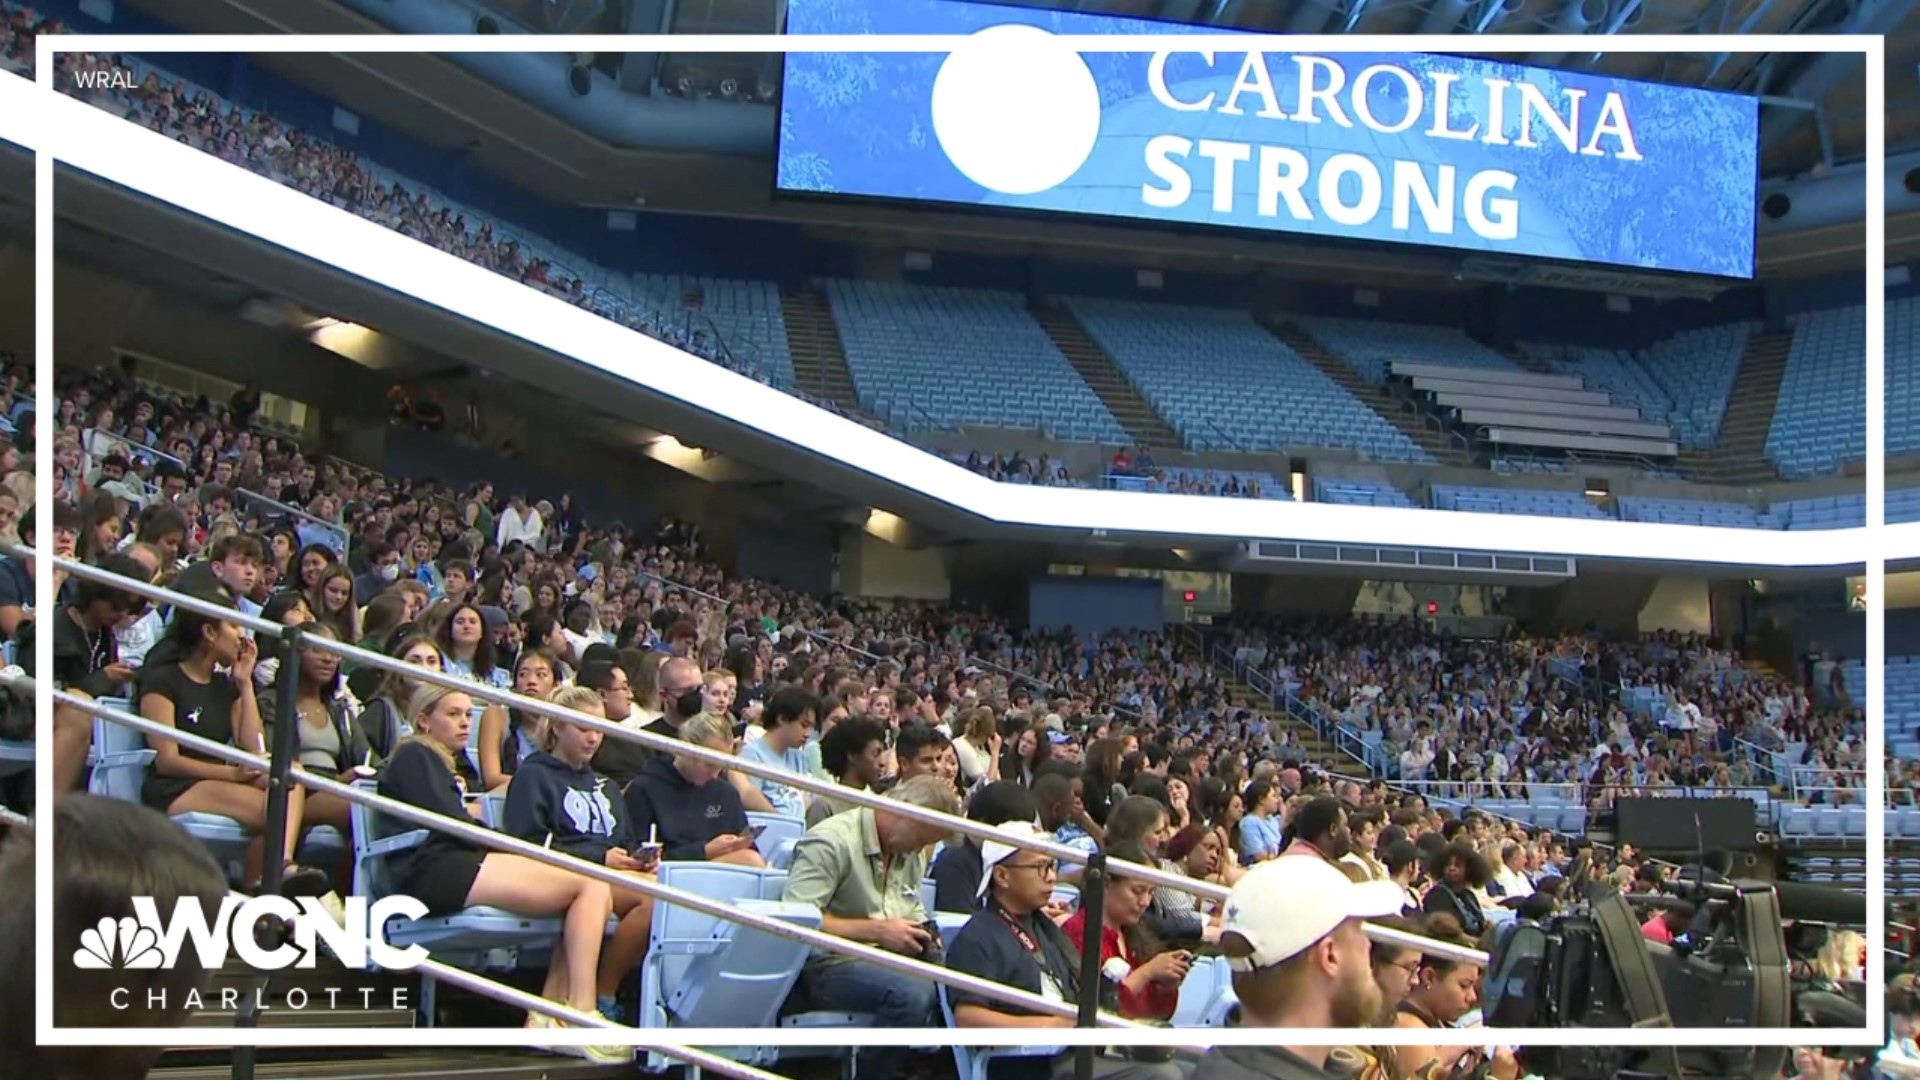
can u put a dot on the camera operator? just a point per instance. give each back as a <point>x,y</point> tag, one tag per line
<point>1444,991</point>
<point>1300,960</point>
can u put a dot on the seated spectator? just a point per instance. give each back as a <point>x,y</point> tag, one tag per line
<point>384,716</point>
<point>919,750</point>
<point>1320,830</point>
<point>105,853</point>
<point>1061,811</point>
<point>1012,942</point>
<point>959,868</point>
<point>977,750</point>
<point>688,806</point>
<point>851,753</point>
<point>1402,860</point>
<point>1511,878</point>
<point>86,661</point>
<point>449,874</point>
<point>788,719</point>
<point>330,742</point>
<point>183,687</point>
<point>1452,870</point>
<point>1443,992</point>
<point>1365,826</point>
<point>1150,987</point>
<point>508,736</point>
<point>1300,960</point>
<point>1259,836</point>
<point>560,801</point>
<point>620,760</point>
<point>862,868</point>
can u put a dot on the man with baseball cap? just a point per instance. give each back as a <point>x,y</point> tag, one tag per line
<point>1300,960</point>
<point>1012,941</point>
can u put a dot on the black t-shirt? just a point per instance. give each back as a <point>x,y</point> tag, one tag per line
<point>16,584</point>
<point>990,948</point>
<point>956,878</point>
<point>203,709</point>
<point>79,654</point>
<point>417,776</point>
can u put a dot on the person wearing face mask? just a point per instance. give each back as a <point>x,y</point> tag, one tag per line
<point>680,698</point>
<point>383,569</point>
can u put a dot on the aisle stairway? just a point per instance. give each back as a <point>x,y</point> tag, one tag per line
<point>1739,456</point>
<point>819,360</point>
<point>1144,426</point>
<point>1318,751</point>
<point>1436,443</point>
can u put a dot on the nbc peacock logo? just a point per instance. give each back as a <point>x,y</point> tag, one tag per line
<point>119,944</point>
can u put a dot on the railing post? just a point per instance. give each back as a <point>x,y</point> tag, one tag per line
<point>1093,904</point>
<point>286,733</point>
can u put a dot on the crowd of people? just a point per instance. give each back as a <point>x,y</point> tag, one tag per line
<point>1604,719</point>
<point>1131,745</point>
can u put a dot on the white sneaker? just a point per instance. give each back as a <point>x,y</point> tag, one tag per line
<point>599,1055</point>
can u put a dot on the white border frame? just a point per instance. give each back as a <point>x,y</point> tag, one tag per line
<point>88,139</point>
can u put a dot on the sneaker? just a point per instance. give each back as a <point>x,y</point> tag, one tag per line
<point>599,1055</point>
<point>610,1008</point>
<point>539,1020</point>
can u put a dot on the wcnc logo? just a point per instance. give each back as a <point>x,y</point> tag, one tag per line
<point>145,942</point>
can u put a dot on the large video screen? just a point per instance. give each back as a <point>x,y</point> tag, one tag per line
<point>1480,155</point>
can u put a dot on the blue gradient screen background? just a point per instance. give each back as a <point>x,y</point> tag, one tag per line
<point>862,124</point>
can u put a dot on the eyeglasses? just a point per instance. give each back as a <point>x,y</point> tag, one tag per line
<point>1411,967</point>
<point>1046,869</point>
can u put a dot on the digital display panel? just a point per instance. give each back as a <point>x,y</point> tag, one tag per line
<point>1473,154</point>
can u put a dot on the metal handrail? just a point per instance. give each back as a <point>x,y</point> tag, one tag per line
<point>660,743</point>
<point>499,841</point>
<point>134,449</point>
<point>345,534</point>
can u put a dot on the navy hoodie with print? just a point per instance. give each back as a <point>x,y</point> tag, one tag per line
<point>686,816</point>
<point>579,807</point>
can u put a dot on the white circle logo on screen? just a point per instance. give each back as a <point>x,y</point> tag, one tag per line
<point>1016,111</point>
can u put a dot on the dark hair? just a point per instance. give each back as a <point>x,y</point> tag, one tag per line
<point>917,737</point>
<point>847,739</point>
<point>788,704</point>
<point>184,634</point>
<point>105,853</point>
<point>595,676</point>
<point>1399,855</point>
<point>1314,821</point>
<point>1127,823</point>
<point>87,591</point>
<point>1000,802</point>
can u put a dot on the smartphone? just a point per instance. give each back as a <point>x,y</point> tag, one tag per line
<point>755,830</point>
<point>646,854</point>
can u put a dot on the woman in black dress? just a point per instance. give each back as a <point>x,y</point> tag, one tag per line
<point>448,873</point>
<point>183,686</point>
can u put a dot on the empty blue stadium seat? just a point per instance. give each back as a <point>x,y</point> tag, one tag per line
<point>926,356</point>
<point>1253,393</point>
<point>1820,421</point>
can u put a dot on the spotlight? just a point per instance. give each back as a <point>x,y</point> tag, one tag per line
<point>729,88</point>
<point>580,79</point>
<point>1777,205</point>
<point>486,24</point>
<point>768,91</point>
<point>684,84</point>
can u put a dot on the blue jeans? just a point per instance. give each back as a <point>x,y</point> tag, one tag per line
<point>894,1000</point>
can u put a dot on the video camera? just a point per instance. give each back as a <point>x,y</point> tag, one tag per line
<point>1731,969</point>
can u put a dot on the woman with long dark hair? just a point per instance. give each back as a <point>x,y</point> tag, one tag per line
<point>182,687</point>
<point>508,737</point>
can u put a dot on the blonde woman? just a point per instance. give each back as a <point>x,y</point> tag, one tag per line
<point>449,874</point>
<point>689,805</point>
<point>558,799</point>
